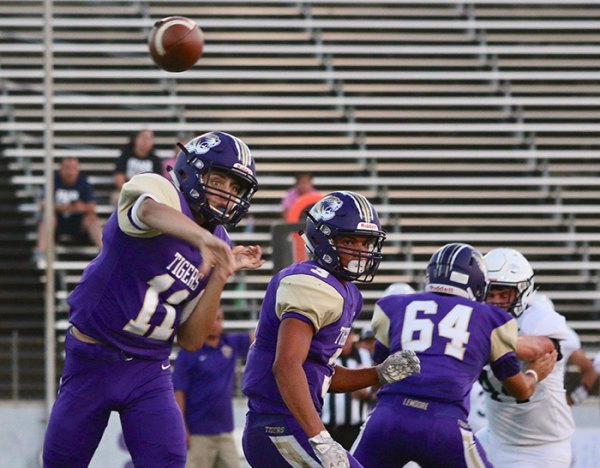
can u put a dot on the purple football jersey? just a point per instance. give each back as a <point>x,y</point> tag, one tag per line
<point>131,295</point>
<point>454,339</point>
<point>300,291</point>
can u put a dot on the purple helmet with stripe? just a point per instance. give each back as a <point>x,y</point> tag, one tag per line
<point>216,152</point>
<point>457,269</point>
<point>344,214</point>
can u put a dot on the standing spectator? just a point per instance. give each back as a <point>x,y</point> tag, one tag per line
<point>305,319</point>
<point>344,413</point>
<point>136,157</point>
<point>423,418</point>
<point>536,430</point>
<point>302,186</point>
<point>203,382</point>
<point>165,261</point>
<point>74,208</point>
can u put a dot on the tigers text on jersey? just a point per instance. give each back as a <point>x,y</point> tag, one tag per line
<point>132,295</point>
<point>545,417</point>
<point>306,292</point>
<point>453,337</point>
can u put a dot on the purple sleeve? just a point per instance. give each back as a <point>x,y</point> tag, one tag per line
<point>181,372</point>
<point>381,352</point>
<point>506,366</point>
<point>298,316</point>
<point>240,342</point>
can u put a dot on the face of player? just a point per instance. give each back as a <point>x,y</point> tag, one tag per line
<point>349,248</point>
<point>501,296</point>
<point>144,141</point>
<point>69,171</point>
<point>220,188</point>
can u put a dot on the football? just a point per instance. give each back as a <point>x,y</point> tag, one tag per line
<point>176,43</point>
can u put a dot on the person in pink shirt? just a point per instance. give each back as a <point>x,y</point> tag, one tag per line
<point>303,185</point>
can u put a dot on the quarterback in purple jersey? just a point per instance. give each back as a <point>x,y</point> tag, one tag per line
<point>306,316</point>
<point>165,259</point>
<point>424,417</point>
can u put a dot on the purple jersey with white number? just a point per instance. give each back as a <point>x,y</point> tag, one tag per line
<point>453,337</point>
<point>306,292</point>
<point>131,295</point>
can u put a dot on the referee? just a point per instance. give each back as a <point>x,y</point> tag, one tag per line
<point>344,413</point>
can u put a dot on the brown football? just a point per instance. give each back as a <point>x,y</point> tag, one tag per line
<point>176,43</point>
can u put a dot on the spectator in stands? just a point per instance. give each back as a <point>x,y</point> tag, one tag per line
<point>535,431</point>
<point>74,208</point>
<point>165,261</point>
<point>344,413</point>
<point>302,186</point>
<point>137,156</point>
<point>203,382</point>
<point>306,316</point>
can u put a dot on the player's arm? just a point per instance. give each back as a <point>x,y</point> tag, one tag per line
<point>522,384</point>
<point>588,377</point>
<point>530,348</point>
<point>167,220</point>
<point>293,342</point>
<point>395,367</point>
<point>348,380</point>
<point>180,400</point>
<point>192,333</point>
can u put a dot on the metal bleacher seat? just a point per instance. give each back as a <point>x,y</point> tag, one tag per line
<point>461,121</point>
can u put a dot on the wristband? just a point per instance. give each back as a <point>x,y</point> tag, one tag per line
<point>533,373</point>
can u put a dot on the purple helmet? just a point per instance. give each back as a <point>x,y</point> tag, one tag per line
<point>349,214</point>
<point>216,151</point>
<point>457,269</point>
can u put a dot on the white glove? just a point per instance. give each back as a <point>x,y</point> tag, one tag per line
<point>398,366</point>
<point>328,451</point>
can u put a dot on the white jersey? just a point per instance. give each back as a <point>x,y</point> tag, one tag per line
<point>572,343</point>
<point>545,417</point>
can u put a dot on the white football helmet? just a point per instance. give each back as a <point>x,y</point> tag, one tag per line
<point>509,268</point>
<point>398,288</point>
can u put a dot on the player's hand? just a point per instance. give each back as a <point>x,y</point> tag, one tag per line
<point>248,257</point>
<point>398,366</point>
<point>544,365</point>
<point>328,451</point>
<point>216,252</point>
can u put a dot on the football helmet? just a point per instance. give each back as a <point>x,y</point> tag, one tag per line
<point>398,288</point>
<point>509,268</point>
<point>338,214</point>
<point>215,151</point>
<point>457,269</point>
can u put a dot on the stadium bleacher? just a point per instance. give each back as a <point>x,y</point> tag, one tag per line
<point>463,121</point>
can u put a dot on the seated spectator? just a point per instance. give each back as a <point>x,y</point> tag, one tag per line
<point>136,157</point>
<point>74,207</point>
<point>303,185</point>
